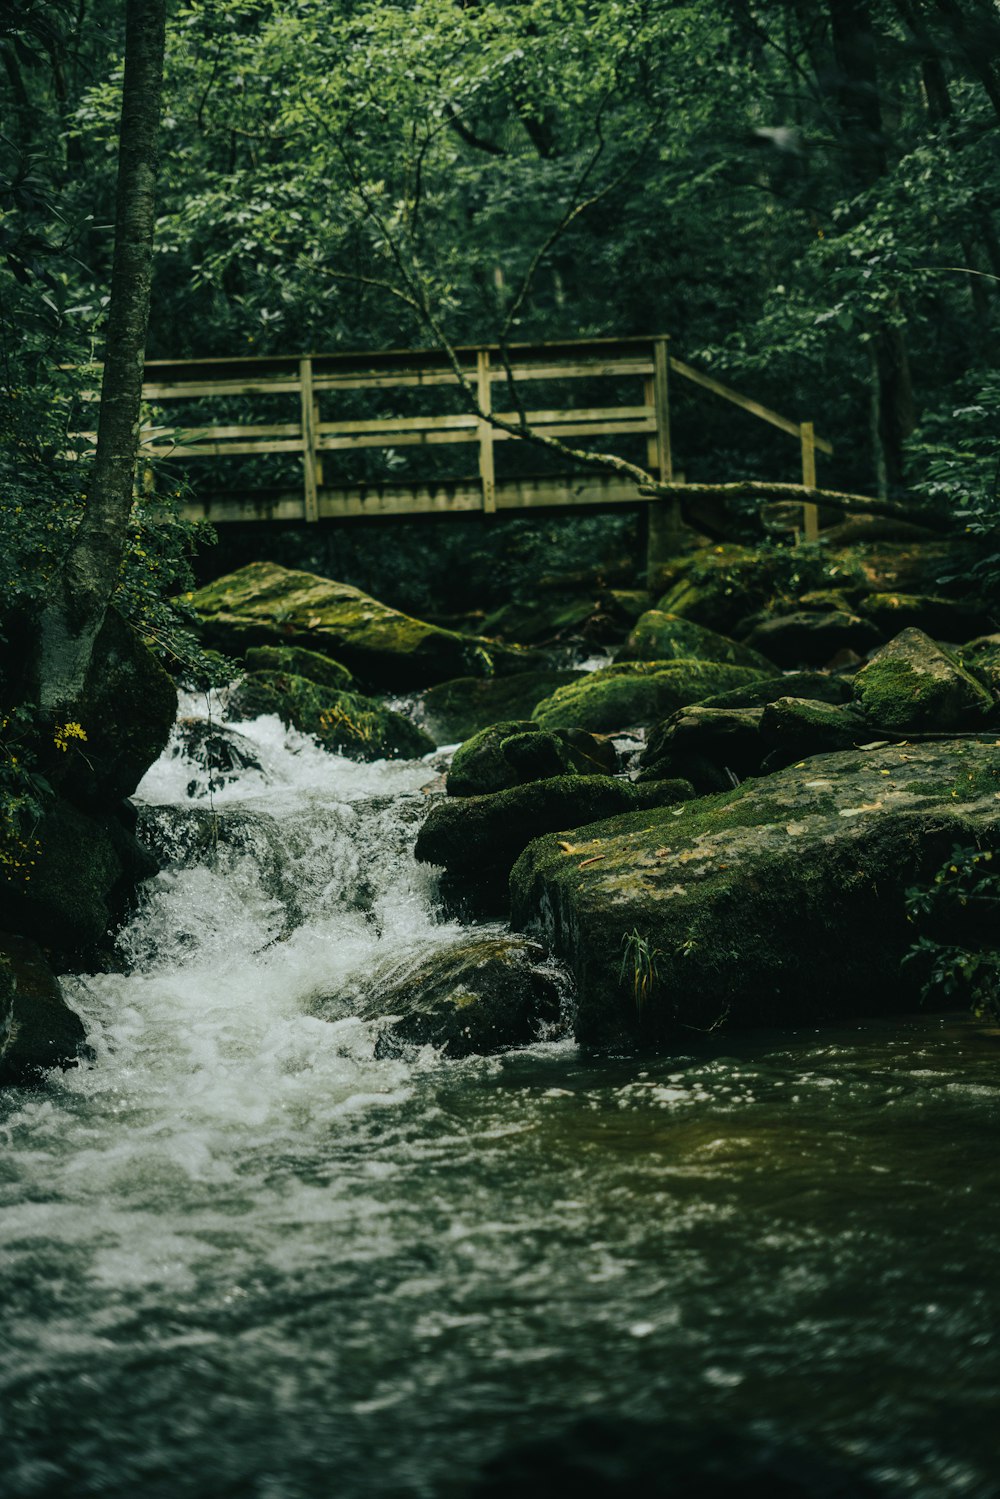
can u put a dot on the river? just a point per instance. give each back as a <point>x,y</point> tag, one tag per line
<point>241,1257</point>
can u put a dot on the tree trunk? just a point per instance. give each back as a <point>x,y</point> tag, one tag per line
<point>855,92</point>
<point>80,597</point>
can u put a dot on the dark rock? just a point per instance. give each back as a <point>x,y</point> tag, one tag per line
<point>808,639</point>
<point>85,872</point>
<point>217,750</point>
<point>719,586</point>
<point>599,615</point>
<point>981,658</point>
<point>264,604</point>
<point>819,686</point>
<point>478,836</point>
<point>343,722</point>
<point>913,686</point>
<point>944,619</point>
<point>702,744</point>
<point>637,693</point>
<point>794,728</point>
<point>38,1030</point>
<point>297,661</point>
<point>456,710</point>
<point>126,710</point>
<point>666,637</point>
<point>780,902</point>
<point>511,754</point>
<point>487,995</point>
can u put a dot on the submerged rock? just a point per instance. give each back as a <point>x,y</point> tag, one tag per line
<point>780,902</point>
<point>637,693</point>
<point>38,1030</point>
<point>666,637</point>
<point>344,722</point>
<point>913,685</point>
<point>487,995</point>
<point>456,710</point>
<point>217,750</point>
<point>511,754</point>
<point>264,604</point>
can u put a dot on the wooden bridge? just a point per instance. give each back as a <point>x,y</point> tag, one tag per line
<point>614,391</point>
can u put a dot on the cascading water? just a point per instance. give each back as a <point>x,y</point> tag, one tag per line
<point>242,1256</point>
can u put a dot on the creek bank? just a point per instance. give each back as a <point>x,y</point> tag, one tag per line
<point>779,902</point>
<point>38,1030</point>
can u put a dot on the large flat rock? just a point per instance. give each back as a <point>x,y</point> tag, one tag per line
<point>779,902</point>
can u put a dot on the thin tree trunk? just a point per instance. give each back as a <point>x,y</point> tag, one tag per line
<point>76,610</point>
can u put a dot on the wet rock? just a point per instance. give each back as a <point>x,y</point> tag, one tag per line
<point>126,710</point>
<point>456,710</point>
<point>485,996</point>
<point>85,871</point>
<point>707,746</point>
<point>297,661</point>
<point>794,728</point>
<point>511,754</point>
<point>913,685</point>
<point>478,836</point>
<point>805,638</point>
<point>343,722</point>
<point>780,902</point>
<point>264,604</point>
<point>665,637</point>
<point>981,658</point>
<point>38,1030</point>
<point>215,749</point>
<point>637,693</point>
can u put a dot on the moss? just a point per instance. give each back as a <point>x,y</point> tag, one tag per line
<point>659,636</point>
<point>264,604</point>
<point>512,754</point>
<point>818,686</point>
<point>301,663</point>
<point>913,685</point>
<point>637,693</point>
<point>479,765</point>
<point>344,722</point>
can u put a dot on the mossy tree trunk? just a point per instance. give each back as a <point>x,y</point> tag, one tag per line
<point>79,599</point>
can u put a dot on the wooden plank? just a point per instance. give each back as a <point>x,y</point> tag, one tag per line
<point>220,449</point>
<point>196,390</point>
<point>810,513</point>
<point>487,472</point>
<point>310,509</point>
<point>198,434</point>
<point>754,407</point>
<point>467,421</point>
<point>433,438</point>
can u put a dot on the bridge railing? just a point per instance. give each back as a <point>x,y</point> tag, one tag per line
<point>310,383</point>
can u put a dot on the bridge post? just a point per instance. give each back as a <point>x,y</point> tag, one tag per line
<point>664,526</point>
<point>810,513</point>
<point>487,473</point>
<point>309,457</point>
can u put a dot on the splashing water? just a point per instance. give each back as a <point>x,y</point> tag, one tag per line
<point>240,1256</point>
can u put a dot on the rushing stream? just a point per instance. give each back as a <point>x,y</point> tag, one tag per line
<point>241,1257</point>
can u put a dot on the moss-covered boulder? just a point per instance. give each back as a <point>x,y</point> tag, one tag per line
<point>706,746</point>
<point>981,657</point>
<point>295,660</point>
<point>665,637</point>
<point>85,870</point>
<point>264,604</point>
<point>915,686</point>
<point>343,722</point>
<point>720,586</point>
<point>779,902</point>
<point>809,638</point>
<point>637,693</point>
<point>487,995</point>
<point>476,837</point>
<point>600,615</point>
<point>794,728</point>
<point>454,711</point>
<point>126,712</point>
<point>941,618</point>
<point>511,754</point>
<point>38,1030</point>
<point>819,686</point>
